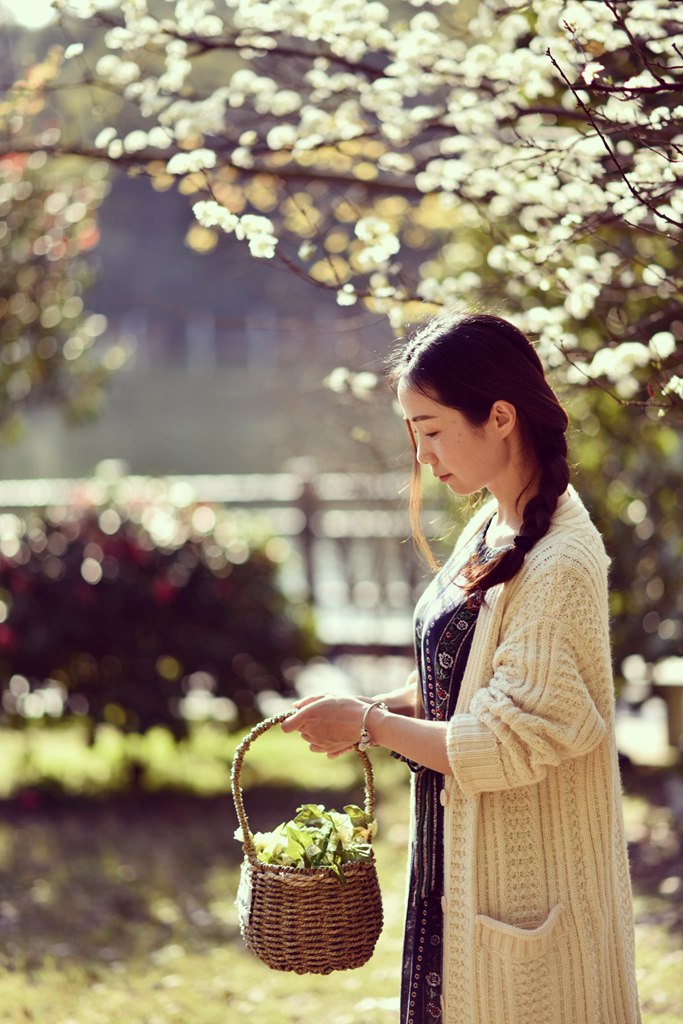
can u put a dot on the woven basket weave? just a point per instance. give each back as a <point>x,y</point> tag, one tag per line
<point>305,919</point>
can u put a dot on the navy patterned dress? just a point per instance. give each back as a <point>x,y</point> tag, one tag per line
<point>445,618</point>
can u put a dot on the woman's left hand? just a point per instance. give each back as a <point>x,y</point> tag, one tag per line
<point>330,725</point>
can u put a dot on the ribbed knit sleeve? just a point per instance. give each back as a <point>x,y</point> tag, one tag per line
<point>537,709</point>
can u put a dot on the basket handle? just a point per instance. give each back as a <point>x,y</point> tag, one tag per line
<point>236,772</point>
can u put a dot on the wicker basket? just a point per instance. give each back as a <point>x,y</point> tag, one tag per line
<point>306,919</point>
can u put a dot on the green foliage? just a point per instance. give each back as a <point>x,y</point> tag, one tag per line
<point>48,350</point>
<point>140,616</point>
<point>65,759</point>
<point>631,479</point>
<point>317,838</point>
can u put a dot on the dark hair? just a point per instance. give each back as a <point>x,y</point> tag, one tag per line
<point>468,363</point>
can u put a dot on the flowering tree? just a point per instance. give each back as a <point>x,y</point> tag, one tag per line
<point>520,153</point>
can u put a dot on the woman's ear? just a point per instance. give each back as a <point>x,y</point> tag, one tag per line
<point>503,417</point>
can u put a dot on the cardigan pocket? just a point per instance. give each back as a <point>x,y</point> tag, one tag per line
<point>520,944</point>
<point>525,975</point>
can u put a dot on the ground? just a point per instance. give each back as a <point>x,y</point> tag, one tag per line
<point>120,907</point>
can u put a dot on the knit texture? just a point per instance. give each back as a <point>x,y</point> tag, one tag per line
<point>538,917</point>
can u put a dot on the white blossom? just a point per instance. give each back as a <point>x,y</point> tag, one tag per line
<point>211,214</point>
<point>135,141</point>
<point>619,362</point>
<point>662,344</point>
<point>189,163</point>
<point>363,384</point>
<point>117,71</point>
<point>259,233</point>
<point>346,296</point>
<point>591,71</point>
<point>159,138</point>
<point>262,246</point>
<point>448,131</point>
<point>337,380</point>
<point>283,136</point>
<point>306,251</point>
<point>105,137</point>
<point>674,386</point>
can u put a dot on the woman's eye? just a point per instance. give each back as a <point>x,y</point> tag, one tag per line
<point>433,434</point>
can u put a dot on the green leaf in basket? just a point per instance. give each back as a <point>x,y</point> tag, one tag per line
<point>297,841</point>
<point>359,851</point>
<point>358,816</point>
<point>317,837</point>
<point>365,826</point>
<point>310,814</point>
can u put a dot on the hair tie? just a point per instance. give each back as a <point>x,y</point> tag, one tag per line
<point>525,544</point>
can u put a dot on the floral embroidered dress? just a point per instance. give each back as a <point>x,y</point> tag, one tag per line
<point>445,618</point>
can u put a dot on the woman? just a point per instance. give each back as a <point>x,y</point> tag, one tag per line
<point>519,907</point>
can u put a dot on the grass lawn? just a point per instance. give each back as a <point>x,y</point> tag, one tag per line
<point>119,908</point>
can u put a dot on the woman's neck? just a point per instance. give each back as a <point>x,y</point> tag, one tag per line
<point>512,500</point>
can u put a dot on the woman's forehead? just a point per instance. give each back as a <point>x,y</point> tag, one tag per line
<point>416,405</point>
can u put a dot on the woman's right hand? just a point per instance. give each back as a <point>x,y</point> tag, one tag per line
<point>403,701</point>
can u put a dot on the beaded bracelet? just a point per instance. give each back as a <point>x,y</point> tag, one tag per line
<point>365,740</point>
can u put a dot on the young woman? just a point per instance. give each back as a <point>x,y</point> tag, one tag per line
<point>519,903</point>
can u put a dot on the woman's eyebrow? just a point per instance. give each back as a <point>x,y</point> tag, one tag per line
<point>416,419</point>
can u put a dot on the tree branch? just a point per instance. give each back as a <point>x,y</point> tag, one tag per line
<point>610,152</point>
<point>138,161</point>
<point>635,42</point>
<point>627,403</point>
<point>635,90</point>
<point>203,45</point>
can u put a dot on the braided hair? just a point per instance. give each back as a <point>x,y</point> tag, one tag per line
<point>468,363</point>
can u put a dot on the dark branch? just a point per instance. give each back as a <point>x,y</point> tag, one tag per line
<point>203,45</point>
<point>628,403</point>
<point>589,114</point>
<point>138,162</point>
<point>635,90</point>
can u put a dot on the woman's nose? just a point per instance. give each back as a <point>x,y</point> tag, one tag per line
<point>423,454</point>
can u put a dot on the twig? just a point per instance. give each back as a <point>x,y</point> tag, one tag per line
<point>610,152</point>
<point>628,403</point>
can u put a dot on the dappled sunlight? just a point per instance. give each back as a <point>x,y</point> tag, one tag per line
<point>124,909</point>
<point>643,736</point>
<point>134,897</point>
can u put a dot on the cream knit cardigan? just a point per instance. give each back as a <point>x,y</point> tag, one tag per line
<point>538,925</point>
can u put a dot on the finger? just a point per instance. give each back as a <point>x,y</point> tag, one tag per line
<point>294,723</point>
<point>303,701</point>
<point>332,750</point>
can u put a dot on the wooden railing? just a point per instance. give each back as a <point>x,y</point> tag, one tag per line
<point>348,537</point>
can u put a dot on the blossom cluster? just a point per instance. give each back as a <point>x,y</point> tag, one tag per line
<point>529,150</point>
<point>258,231</point>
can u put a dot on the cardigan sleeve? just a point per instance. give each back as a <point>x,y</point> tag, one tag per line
<point>538,708</point>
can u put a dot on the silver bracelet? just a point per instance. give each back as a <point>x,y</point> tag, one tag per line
<point>365,740</point>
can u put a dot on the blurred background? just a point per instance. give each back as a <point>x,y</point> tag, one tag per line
<point>203,515</point>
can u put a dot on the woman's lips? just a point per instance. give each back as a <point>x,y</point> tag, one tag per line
<point>444,477</point>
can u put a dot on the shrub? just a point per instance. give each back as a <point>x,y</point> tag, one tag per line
<point>140,616</point>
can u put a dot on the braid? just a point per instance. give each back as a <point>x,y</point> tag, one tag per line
<point>538,512</point>
<point>553,480</point>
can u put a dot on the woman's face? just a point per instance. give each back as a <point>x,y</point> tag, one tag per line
<point>464,457</point>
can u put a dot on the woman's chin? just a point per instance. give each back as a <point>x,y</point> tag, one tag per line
<point>461,489</point>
